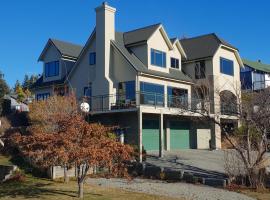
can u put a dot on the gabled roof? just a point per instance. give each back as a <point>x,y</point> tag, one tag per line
<point>140,67</point>
<point>203,46</point>
<point>140,35</point>
<point>257,65</point>
<point>66,49</point>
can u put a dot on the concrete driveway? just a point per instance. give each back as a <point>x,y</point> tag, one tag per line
<point>203,163</point>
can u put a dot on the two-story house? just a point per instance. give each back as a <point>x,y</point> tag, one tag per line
<point>255,75</point>
<point>143,80</point>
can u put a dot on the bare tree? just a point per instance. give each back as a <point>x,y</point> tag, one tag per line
<point>251,110</point>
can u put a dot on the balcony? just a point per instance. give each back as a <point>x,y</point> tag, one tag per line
<point>116,102</point>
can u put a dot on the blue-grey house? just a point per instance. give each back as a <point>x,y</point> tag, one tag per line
<point>254,75</point>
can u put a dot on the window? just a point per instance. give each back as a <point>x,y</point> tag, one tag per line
<point>258,80</point>
<point>42,96</point>
<point>52,69</point>
<point>152,94</point>
<point>175,63</point>
<point>200,70</point>
<point>226,66</point>
<point>158,58</point>
<point>92,58</point>
<point>177,97</point>
<point>87,91</point>
<point>127,90</point>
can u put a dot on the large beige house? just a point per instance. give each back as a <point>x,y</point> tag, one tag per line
<point>144,81</point>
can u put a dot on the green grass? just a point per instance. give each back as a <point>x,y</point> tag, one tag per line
<point>4,160</point>
<point>36,188</point>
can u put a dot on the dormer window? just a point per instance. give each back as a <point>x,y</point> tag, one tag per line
<point>175,63</point>
<point>158,58</point>
<point>51,69</point>
<point>92,58</point>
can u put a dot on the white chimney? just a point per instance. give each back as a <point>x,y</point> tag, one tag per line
<point>105,32</point>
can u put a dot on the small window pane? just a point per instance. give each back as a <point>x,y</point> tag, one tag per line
<point>92,58</point>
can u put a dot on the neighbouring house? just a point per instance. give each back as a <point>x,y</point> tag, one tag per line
<point>140,80</point>
<point>16,106</point>
<point>255,75</point>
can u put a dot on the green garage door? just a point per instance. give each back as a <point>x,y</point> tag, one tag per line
<point>150,134</point>
<point>179,135</point>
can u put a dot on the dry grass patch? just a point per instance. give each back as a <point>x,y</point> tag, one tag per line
<point>35,188</point>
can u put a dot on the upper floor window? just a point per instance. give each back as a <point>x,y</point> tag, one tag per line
<point>87,91</point>
<point>92,58</point>
<point>52,69</point>
<point>175,63</point>
<point>152,94</point>
<point>226,66</point>
<point>200,70</point>
<point>158,58</point>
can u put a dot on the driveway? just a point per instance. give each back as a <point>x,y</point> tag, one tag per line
<point>202,163</point>
<point>177,190</point>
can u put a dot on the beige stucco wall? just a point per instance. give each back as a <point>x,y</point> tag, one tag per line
<point>223,81</point>
<point>158,42</point>
<point>84,73</point>
<point>51,54</point>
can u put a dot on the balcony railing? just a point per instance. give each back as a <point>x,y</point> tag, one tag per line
<point>122,101</point>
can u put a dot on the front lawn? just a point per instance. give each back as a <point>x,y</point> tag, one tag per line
<point>36,188</point>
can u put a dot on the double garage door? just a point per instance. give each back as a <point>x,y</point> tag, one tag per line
<point>179,135</point>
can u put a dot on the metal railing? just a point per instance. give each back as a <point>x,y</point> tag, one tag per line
<point>122,101</point>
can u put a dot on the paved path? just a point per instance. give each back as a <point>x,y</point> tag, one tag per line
<point>176,190</point>
<point>204,162</point>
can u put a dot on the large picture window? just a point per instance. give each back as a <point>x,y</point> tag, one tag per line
<point>177,97</point>
<point>152,94</point>
<point>158,58</point>
<point>127,89</point>
<point>226,66</point>
<point>52,69</point>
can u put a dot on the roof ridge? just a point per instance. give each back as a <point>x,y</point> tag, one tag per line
<point>253,61</point>
<point>53,39</point>
<point>149,26</point>
<point>199,36</point>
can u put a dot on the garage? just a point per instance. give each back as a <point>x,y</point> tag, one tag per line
<point>179,135</point>
<point>150,135</point>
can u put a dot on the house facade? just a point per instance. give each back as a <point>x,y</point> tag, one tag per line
<point>255,75</point>
<point>144,81</point>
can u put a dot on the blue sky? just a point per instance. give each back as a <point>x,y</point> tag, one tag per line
<point>25,26</point>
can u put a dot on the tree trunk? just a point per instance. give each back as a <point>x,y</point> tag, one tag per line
<point>66,178</point>
<point>80,193</point>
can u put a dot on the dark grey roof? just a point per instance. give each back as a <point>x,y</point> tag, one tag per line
<point>67,48</point>
<point>140,35</point>
<point>173,40</point>
<point>140,67</point>
<point>202,46</point>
